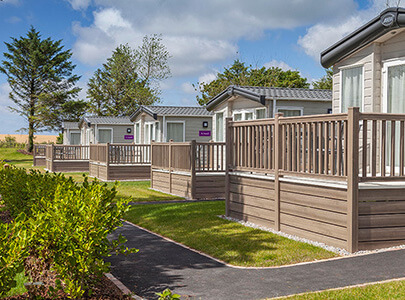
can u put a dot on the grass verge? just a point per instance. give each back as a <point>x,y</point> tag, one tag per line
<point>198,226</point>
<point>388,290</point>
<point>138,190</point>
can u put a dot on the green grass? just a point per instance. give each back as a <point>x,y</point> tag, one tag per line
<point>389,290</point>
<point>198,226</point>
<point>138,190</point>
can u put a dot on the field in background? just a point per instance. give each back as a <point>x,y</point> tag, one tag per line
<point>23,138</point>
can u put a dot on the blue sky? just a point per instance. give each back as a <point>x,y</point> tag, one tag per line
<point>203,37</point>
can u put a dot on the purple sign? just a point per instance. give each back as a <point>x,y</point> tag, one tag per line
<point>128,137</point>
<point>205,133</point>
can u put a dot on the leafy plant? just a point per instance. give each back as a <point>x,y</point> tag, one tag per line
<point>167,294</point>
<point>14,239</point>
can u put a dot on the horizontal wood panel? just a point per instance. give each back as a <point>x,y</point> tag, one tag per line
<point>314,201</point>
<point>213,190</point>
<point>367,195</point>
<point>373,208</point>
<point>251,200</point>
<point>70,166</point>
<point>380,244</point>
<point>313,190</point>
<point>255,182</point>
<point>314,226</point>
<point>313,236</point>
<point>252,219</point>
<point>381,234</point>
<point>390,220</point>
<point>252,191</point>
<point>252,210</point>
<point>314,214</point>
<point>210,195</point>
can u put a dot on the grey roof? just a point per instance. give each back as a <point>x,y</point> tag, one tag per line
<point>388,20</point>
<point>157,110</point>
<point>70,125</point>
<point>260,94</point>
<point>108,120</point>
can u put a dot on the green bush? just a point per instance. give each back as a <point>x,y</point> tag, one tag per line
<point>69,223</point>
<point>14,241</point>
<point>11,142</point>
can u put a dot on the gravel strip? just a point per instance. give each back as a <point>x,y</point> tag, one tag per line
<point>337,250</point>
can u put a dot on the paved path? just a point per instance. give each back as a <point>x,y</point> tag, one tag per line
<point>161,264</point>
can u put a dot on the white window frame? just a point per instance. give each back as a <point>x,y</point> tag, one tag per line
<point>70,136</point>
<point>105,128</point>
<point>135,132</point>
<point>178,122</point>
<point>224,112</point>
<point>88,135</point>
<point>261,108</point>
<point>300,108</point>
<point>341,84</point>
<point>147,125</point>
<point>386,65</point>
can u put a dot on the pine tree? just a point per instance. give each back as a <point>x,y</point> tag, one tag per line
<point>40,74</point>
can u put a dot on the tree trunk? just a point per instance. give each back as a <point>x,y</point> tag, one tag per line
<point>31,129</point>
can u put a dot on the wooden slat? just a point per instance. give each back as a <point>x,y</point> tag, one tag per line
<point>252,210</point>
<point>374,149</point>
<point>364,157</point>
<point>380,234</point>
<point>326,192</point>
<point>392,164</point>
<point>377,208</point>
<point>383,147</point>
<point>390,220</point>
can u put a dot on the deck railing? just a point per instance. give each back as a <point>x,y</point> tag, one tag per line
<point>319,146</point>
<point>67,152</point>
<point>189,156</point>
<point>120,154</point>
<point>39,150</point>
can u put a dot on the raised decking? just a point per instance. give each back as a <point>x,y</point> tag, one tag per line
<point>192,170</point>
<point>337,179</point>
<point>111,162</point>
<point>67,158</point>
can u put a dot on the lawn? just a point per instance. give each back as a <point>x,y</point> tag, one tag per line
<point>198,226</point>
<point>138,190</point>
<point>389,290</point>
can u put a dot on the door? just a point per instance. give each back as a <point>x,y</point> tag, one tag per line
<point>105,136</point>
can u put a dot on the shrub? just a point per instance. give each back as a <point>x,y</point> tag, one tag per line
<point>14,239</point>
<point>11,142</point>
<point>68,222</point>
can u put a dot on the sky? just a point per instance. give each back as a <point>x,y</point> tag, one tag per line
<point>202,37</point>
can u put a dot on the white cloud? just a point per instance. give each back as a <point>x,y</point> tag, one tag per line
<point>188,88</point>
<point>278,64</point>
<point>14,2</point>
<point>79,4</point>
<point>13,20</point>
<point>207,78</point>
<point>197,34</point>
<point>324,34</point>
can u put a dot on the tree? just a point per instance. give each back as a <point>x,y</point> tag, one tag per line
<point>239,74</point>
<point>129,78</point>
<point>325,83</point>
<point>42,82</point>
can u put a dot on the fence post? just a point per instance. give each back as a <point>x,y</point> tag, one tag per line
<point>192,162</point>
<point>34,162</point>
<point>228,162</point>
<point>107,161</point>
<point>52,157</point>
<point>278,152</point>
<point>151,160</point>
<point>170,166</point>
<point>353,118</point>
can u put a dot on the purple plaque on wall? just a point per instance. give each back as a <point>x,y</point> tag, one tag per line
<point>205,133</point>
<point>128,137</point>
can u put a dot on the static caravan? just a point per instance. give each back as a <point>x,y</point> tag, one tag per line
<point>369,65</point>
<point>102,130</point>
<point>244,103</point>
<point>177,123</point>
<point>71,133</point>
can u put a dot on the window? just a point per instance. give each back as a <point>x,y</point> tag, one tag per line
<point>260,113</point>
<point>149,132</point>
<point>290,112</point>
<point>237,117</point>
<point>105,136</point>
<point>75,138</point>
<point>175,131</point>
<point>219,127</point>
<point>249,116</point>
<point>137,133</point>
<point>352,88</point>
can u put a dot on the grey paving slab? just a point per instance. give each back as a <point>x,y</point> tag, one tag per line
<point>160,264</point>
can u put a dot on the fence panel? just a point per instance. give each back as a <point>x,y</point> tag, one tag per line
<point>129,154</point>
<point>382,147</point>
<point>210,157</point>
<point>67,152</point>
